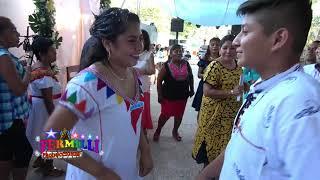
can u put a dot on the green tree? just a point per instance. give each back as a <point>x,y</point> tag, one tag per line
<point>315,26</point>
<point>189,30</point>
<point>42,21</point>
<point>105,4</point>
<point>155,15</point>
<point>314,30</point>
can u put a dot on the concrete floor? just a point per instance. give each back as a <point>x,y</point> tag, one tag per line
<point>172,159</point>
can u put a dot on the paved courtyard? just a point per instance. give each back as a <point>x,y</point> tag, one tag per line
<point>172,159</point>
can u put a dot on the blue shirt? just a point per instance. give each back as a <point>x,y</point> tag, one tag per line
<point>249,76</point>
<point>11,106</point>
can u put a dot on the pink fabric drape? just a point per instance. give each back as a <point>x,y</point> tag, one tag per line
<point>73,21</point>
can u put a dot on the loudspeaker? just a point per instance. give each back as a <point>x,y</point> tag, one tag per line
<point>177,25</point>
<point>235,29</point>
<point>173,42</point>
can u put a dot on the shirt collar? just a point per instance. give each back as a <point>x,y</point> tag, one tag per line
<point>260,85</point>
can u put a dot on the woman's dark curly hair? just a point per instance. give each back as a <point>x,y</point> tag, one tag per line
<point>112,22</point>
<point>108,25</point>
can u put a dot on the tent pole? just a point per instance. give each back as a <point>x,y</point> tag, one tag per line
<point>123,3</point>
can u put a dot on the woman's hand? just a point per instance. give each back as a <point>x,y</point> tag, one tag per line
<point>27,76</point>
<point>246,87</point>
<point>146,163</point>
<point>237,90</point>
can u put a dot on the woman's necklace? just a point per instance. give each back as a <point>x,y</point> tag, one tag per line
<point>114,74</point>
<point>211,58</point>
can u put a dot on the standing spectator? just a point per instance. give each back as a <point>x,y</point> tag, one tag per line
<point>146,68</point>
<point>276,133</point>
<point>106,100</point>
<point>311,56</point>
<point>211,54</point>
<point>318,54</point>
<point>175,86</point>
<point>15,149</point>
<point>313,67</point>
<point>219,104</point>
<point>44,94</point>
<point>153,48</point>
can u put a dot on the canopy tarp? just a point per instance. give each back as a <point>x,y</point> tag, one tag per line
<point>206,12</point>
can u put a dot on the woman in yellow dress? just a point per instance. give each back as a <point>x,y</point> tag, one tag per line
<point>219,104</point>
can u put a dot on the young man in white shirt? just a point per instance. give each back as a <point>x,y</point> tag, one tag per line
<point>276,133</point>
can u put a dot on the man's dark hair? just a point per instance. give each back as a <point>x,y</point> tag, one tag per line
<point>294,15</point>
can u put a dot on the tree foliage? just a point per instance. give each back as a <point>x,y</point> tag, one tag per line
<point>104,4</point>
<point>315,29</point>
<point>42,20</point>
<point>188,30</point>
<point>314,32</point>
<point>154,15</point>
<point>163,22</point>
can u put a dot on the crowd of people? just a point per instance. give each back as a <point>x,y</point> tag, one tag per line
<point>258,106</point>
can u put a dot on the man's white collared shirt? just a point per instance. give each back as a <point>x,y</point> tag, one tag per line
<point>278,135</point>
<point>313,70</point>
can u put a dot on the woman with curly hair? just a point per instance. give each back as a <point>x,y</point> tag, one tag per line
<point>105,100</point>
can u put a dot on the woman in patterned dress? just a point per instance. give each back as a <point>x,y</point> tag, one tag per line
<point>44,93</point>
<point>211,54</point>
<point>219,104</point>
<point>105,101</point>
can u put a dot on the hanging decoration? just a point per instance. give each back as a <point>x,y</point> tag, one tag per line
<point>42,21</point>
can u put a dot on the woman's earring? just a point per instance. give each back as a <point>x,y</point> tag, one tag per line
<point>108,54</point>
